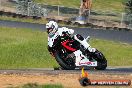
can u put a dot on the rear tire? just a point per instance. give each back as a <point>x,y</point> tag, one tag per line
<point>63,64</point>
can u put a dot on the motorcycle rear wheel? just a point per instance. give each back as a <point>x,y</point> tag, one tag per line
<point>63,63</point>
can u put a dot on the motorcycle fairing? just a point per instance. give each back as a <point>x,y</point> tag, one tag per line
<point>65,44</point>
<point>82,60</point>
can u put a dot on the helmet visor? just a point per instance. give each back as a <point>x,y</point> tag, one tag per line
<point>49,30</point>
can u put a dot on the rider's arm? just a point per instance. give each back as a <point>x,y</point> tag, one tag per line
<point>50,49</point>
<point>70,31</point>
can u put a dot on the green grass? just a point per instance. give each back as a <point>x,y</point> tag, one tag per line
<point>27,48</point>
<point>67,3</point>
<point>108,5</point>
<point>34,85</point>
<point>24,48</point>
<point>117,54</point>
<point>113,5</point>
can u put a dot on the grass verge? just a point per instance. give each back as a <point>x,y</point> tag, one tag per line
<point>117,54</point>
<point>24,48</point>
<point>27,48</point>
<point>103,5</point>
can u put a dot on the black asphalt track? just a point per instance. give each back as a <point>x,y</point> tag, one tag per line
<point>114,35</point>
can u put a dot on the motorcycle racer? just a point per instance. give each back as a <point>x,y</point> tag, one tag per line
<point>54,32</point>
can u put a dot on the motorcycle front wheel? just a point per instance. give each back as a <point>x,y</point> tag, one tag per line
<point>101,61</point>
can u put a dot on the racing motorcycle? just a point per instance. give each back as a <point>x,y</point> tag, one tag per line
<point>63,51</point>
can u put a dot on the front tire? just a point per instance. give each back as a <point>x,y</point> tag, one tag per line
<point>101,65</point>
<point>101,61</point>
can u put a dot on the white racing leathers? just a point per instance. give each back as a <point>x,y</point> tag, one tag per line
<point>80,58</point>
<point>60,31</point>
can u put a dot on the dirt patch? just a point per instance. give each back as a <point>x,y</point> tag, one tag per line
<point>67,80</point>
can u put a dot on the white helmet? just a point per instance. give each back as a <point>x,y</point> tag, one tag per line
<point>51,27</point>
